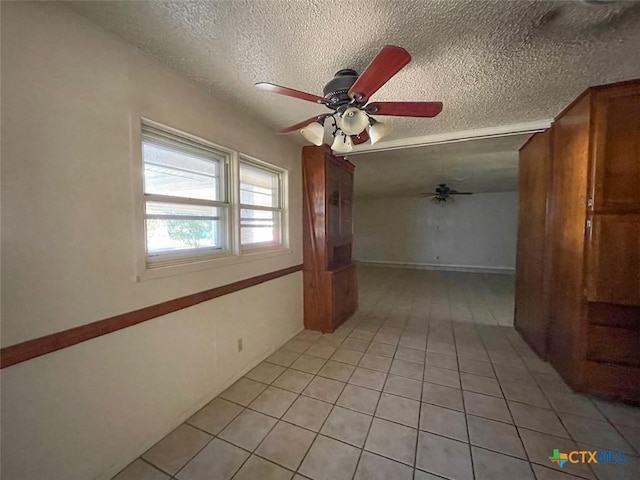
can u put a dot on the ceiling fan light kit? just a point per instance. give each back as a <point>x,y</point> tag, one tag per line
<point>314,132</point>
<point>377,130</point>
<point>342,144</point>
<point>353,121</point>
<point>438,200</point>
<point>347,94</point>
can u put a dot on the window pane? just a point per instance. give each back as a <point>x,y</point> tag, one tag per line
<point>259,226</point>
<point>173,172</point>
<point>259,186</point>
<point>174,227</point>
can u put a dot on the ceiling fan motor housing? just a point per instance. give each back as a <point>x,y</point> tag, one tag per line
<point>442,189</point>
<point>336,90</point>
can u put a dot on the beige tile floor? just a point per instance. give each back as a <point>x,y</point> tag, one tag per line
<point>426,381</point>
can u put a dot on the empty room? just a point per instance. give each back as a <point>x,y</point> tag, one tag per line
<point>320,240</point>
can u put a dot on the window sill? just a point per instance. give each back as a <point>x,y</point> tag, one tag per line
<point>198,265</point>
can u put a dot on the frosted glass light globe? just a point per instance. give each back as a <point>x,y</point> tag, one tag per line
<point>342,144</point>
<point>314,133</point>
<point>377,131</point>
<point>353,121</point>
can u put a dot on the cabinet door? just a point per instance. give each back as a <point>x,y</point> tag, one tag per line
<point>533,255</point>
<point>333,200</point>
<point>345,294</point>
<point>346,195</point>
<point>613,269</point>
<point>616,150</point>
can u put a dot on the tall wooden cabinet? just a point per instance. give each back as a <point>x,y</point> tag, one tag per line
<point>532,258</point>
<point>330,276</point>
<point>583,310</point>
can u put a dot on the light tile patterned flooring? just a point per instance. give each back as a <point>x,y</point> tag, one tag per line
<point>424,382</point>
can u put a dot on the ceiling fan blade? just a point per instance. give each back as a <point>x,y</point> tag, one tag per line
<point>405,109</point>
<point>364,136</point>
<point>300,125</point>
<point>290,92</point>
<point>453,192</point>
<point>428,194</point>
<point>387,63</point>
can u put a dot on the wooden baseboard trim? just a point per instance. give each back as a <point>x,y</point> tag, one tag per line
<point>438,266</point>
<point>37,347</point>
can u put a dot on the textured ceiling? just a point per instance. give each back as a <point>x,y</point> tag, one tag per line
<point>479,166</point>
<point>492,62</point>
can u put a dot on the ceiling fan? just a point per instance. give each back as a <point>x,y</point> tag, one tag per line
<point>347,94</point>
<point>443,194</point>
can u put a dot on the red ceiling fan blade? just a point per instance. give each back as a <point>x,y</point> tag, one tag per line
<point>405,109</point>
<point>290,92</point>
<point>387,63</point>
<point>300,125</point>
<point>364,136</point>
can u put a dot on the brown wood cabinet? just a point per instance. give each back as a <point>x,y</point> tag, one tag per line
<point>532,285</point>
<point>330,276</point>
<point>578,270</point>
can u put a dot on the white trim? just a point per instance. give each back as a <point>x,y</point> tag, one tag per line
<point>462,136</point>
<point>222,260</point>
<point>438,266</point>
<point>165,265</point>
<point>282,208</point>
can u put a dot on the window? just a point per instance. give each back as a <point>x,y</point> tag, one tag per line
<point>186,197</point>
<point>260,206</point>
<point>203,202</point>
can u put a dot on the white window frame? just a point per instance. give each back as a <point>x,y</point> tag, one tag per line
<point>281,173</point>
<point>181,142</point>
<point>187,262</point>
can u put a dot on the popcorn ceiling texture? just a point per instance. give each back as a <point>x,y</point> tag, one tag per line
<point>492,63</point>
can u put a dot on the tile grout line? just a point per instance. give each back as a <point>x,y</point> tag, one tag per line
<point>393,304</point>
<point>464,407</point>
<point>366,437</point>
<point>424,372</point>
<point>515,426</point>
<point>531,463</point>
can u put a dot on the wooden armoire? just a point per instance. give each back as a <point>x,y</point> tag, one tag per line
<point>330,276</point>
<point>578,260</point>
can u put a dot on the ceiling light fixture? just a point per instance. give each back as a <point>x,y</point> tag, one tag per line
<point>353,121</point>
<point>377,130</point>
<point>348,95</point>
<point>314,132</point>
<point>341,143</point>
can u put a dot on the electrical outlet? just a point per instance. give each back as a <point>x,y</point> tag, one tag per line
<point>239,345</point>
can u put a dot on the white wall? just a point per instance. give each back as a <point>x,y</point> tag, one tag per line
<point>476,232</point>
<point>72,98</point>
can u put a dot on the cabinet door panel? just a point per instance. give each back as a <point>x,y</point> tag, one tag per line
<point>532,315</point>
<point>616,150</point>
<point>567,221</point>
<point>345,294</point>
<point>615,345</point>
<point>333,200</point>
<point>613,274</point>
<point>346,194</point>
